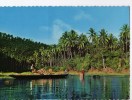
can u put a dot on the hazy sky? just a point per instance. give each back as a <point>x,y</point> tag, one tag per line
<point>46,24</point>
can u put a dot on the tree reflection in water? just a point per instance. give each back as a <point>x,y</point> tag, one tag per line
<point>73,87</point>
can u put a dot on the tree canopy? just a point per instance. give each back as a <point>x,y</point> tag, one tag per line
<point>74,51</point>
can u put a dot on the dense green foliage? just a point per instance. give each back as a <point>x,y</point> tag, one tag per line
<point>92,50</point>
<point>15,52</point>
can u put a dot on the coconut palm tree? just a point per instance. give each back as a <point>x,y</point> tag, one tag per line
<point>103,41</point>
<point>35,55</point>
<point>94,40</point>
<point>63,43</point>
<point>42,53</point>
<point>112,42</point>
<point>92,35</point>
<point>68,41</point>
<point>125,37</point>
<point>82,42</point>
<point>103,38</point>
<point>73,37</point>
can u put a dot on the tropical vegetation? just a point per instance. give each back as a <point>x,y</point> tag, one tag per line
<point>90,50</point>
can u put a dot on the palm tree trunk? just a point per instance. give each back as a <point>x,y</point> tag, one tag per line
<point>126,44</point>
<point>64,54</point>
<point>55,59</point>
<point>126,47</point>
<point>70,53</point>
<point>103,61</point>
<point>80,52</point>
<point>50,63</point>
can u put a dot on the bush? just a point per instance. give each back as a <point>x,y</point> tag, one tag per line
<point>46,67</point>
<point>115,64</point>
<point>127,63</point>
<point>62,68</point>
<point>55,68</point>
<point>82,63</point>
<point>70,64</point>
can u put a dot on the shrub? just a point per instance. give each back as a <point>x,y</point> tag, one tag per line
<point>55,68</point>
<point>62,68</point>
<point>70,64</point>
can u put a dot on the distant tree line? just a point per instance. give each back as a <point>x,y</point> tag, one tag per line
<point>98,50</point>
<point>15,52</point>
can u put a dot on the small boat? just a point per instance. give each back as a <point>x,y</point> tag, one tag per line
<point>39,76</point>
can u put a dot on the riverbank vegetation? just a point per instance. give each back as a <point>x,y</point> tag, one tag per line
<point>90,51</point>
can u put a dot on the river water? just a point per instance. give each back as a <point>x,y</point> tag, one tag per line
<point>72,87</point>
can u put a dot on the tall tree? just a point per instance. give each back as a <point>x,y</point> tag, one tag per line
<point>82,43</point>
<point>103,41</point>
<point>92,35</point>
<point>125,37</point>
<point>112,42</point>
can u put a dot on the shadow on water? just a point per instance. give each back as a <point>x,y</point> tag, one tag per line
<point>73,87</point>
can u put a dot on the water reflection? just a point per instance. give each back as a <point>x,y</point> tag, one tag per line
<point>74,87</point>
<point>81,78</point>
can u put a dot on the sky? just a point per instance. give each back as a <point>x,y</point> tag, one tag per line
<point>46,24</point>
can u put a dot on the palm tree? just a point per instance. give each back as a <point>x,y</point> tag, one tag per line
<point>112,42</point>
<point>82,42</point>
<point>103,41</point>
<point>125,37</point>
<point>35,55</point>
<point>94,40</point>
<point>42,53</point>
<point>68,41</point>
<point>103,37</point>
<point>63,43</point>
<point>92,35</point>
<point>73,41</point>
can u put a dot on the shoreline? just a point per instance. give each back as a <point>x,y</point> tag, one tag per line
<point>100,73</point>
<point>90,73</point>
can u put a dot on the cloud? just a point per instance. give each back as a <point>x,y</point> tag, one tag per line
<point>58,28</point>
<point>83,16</point>
<point>54,32</point>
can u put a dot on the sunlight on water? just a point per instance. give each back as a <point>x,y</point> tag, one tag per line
<point>73,87</point>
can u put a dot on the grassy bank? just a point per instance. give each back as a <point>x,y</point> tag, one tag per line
<point>71,72</point>
<point>98,73</point>
<point>6,74</point>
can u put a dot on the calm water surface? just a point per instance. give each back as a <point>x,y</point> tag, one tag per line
<point>73,87</point>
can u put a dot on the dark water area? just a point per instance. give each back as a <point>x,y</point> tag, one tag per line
<point>72,87</point>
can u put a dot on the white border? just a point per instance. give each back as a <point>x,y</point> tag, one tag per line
<point>28,3</point>
<point>130,4</point>
<point>65,2</point>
